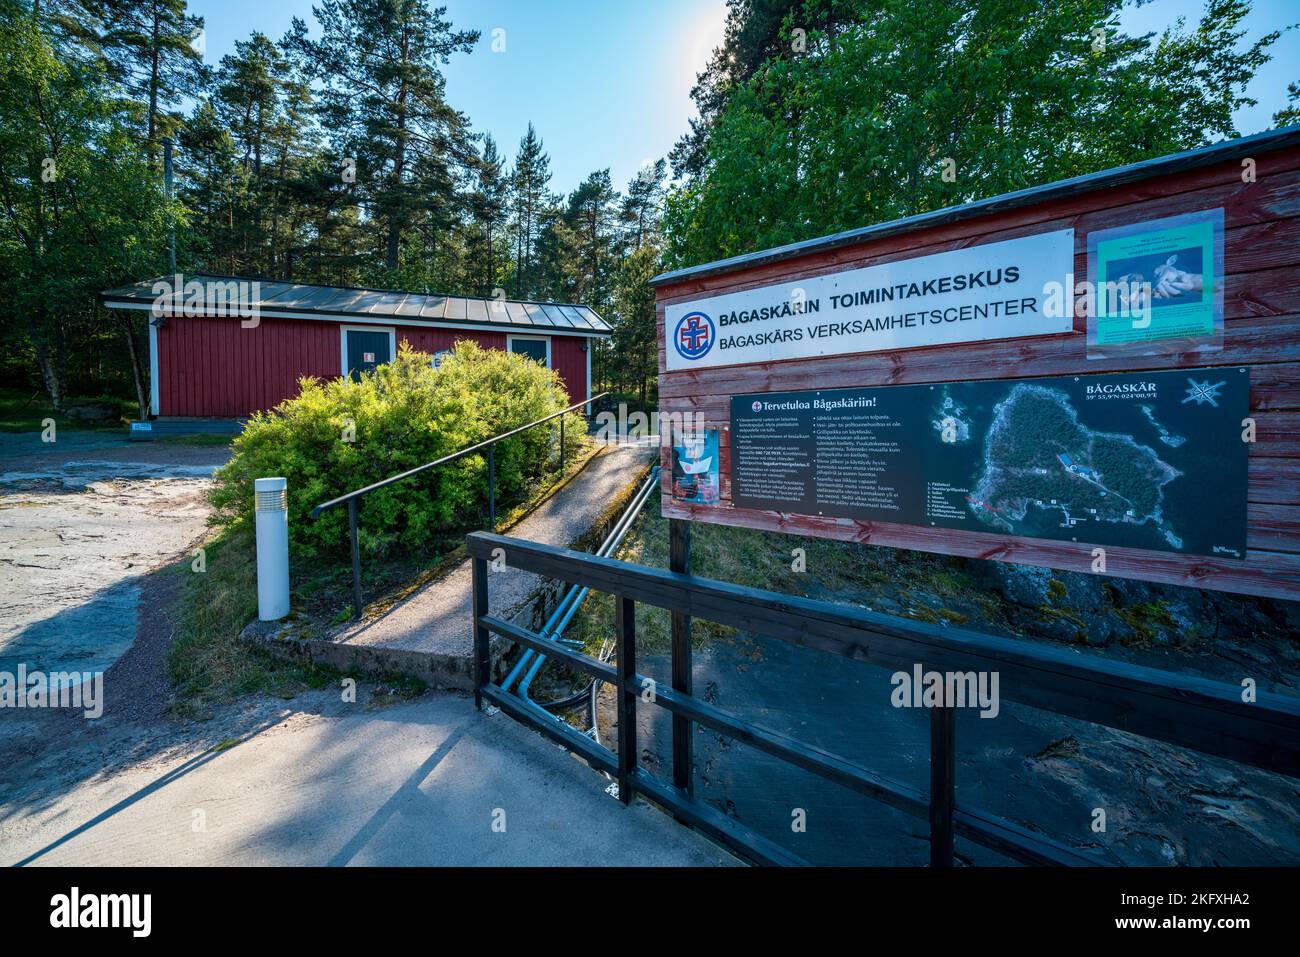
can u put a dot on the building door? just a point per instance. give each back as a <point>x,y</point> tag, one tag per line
<point>536,348</point>
<point>366,350</point>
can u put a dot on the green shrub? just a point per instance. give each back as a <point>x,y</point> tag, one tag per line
<point>404,414</point>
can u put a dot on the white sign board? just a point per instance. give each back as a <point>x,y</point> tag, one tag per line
<point>1019,287</point>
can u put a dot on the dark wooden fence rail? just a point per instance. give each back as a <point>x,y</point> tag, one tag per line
<point>1206,716</point>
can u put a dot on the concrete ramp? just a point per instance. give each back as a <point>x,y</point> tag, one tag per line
<point>429,634</point>
<point>427,782</point>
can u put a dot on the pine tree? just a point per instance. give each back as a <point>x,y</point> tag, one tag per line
<point>381,99</point>
<point>151,45</point>
<point>264,105</point>
<point>590,215</point>
<point>489,205</point>
<point>641,206</point>
<point>635,338</point>
<point>530,182</point>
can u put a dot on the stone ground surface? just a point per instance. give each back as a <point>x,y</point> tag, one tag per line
<point>436,619</point>
<point>321,782</point>
<point>72,546</point>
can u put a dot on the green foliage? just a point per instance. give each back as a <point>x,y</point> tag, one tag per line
<point>80,210</point>
<point>1289,115</point>
<point>376,66</point>
<point>635,337</point>
<point>329,155</point>
<point>402,415</point>
<point>856,118</point>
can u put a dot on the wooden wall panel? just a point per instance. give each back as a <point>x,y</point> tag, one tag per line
<point>1262,330</point>
<point>424,339</point>
<point>569,359</point>
<point>216,368</point>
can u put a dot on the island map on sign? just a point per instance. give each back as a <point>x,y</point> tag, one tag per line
<point>1150,460</point>
<point>1038,454</point>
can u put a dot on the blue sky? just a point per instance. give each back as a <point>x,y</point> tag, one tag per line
<point>607,82</point>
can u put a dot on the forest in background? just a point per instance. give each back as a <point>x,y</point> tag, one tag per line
<point>332,155</point>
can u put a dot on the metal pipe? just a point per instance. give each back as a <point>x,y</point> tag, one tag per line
<point>492,490</point>
<point>611,541</point>
<point>356,560</point>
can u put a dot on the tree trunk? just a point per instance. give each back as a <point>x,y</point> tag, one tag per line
<point>399,169</point>
<point>137,369</point>
<point>50,375</point>
<point>394,234</point>
<point>153,93</point>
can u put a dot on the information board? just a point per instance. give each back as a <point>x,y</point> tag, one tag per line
<point>1152,460</point>
<point>997,290</point>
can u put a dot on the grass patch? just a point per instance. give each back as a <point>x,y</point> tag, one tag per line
<point>201,439</point>
<point>24,411</point>
<point>206,662</point>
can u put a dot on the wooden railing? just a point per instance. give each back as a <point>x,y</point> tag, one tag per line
<point>1197,713</point>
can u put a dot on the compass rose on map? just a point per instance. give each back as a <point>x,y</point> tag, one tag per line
<point>1203,392</point>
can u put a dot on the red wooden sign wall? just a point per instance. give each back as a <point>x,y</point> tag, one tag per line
<point>1261,330</point>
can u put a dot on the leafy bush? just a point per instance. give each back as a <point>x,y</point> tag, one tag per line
<point>403,414</point>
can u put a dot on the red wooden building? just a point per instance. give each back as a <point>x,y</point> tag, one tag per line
<point>224,347</point>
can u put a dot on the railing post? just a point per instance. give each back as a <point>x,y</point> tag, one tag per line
<point>625,631</point>
<point>492,488</point>
<point>943,733</point>
<point>356,560</point>
<point>561,446</point>
<point>679,560</point>
<point>482,647</point>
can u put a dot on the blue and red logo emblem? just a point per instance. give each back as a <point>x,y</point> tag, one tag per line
<point>694,336</point>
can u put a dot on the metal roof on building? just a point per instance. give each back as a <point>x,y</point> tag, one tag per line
<point>1244,147</point>
<point>276,299</point>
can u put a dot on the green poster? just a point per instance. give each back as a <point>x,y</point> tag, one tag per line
<point>1157,286</point>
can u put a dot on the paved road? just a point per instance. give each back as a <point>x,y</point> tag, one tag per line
<point>417,783</point>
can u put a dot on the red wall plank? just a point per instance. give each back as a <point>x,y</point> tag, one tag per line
<point>219,368</point>
<point>569,359</point>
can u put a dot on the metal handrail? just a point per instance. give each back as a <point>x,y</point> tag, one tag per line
<point>315,512</point>
<point>351,498</point>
